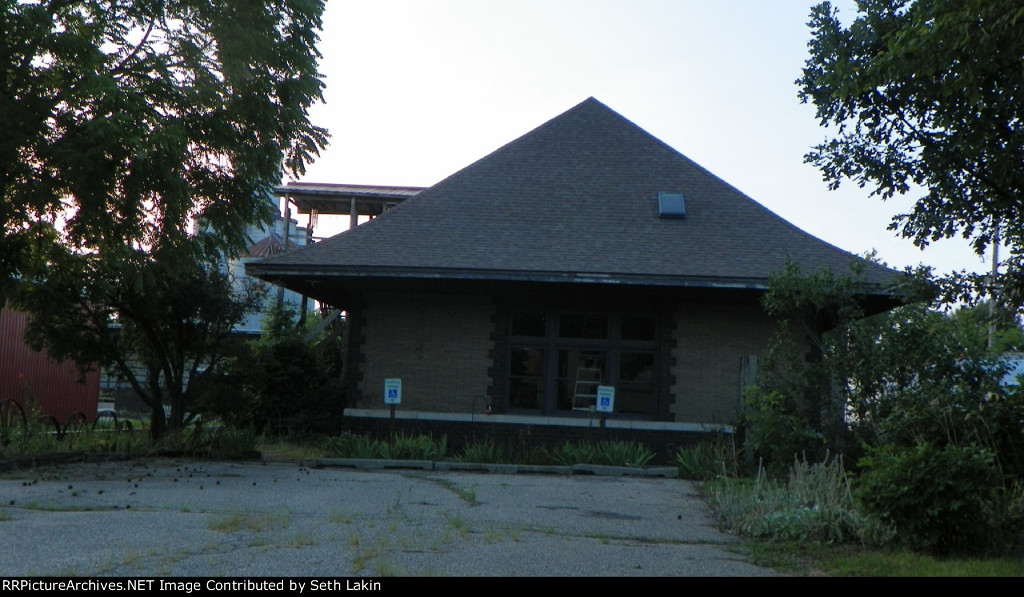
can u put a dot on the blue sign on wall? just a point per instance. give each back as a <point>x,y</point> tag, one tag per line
<point>392,391</point>
<point>605,399</point>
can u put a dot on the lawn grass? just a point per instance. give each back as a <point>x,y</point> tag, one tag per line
<point>849,560</point>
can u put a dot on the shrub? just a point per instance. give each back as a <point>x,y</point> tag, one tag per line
<point>775,434</point>
<point>815,503</point>
<point>279,384</point>
<point>938,500</point>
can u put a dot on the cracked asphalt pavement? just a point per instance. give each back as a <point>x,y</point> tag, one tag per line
<point>167,517</point>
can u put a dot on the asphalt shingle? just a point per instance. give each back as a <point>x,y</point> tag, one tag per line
<point>574,199</point>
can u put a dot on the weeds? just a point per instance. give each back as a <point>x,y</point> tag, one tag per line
<point>341,517</point>
<point>243,521</point>
<point>814,504</point>
<point>466,494</point>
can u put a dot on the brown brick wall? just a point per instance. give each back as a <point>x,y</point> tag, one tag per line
<point>710,342</point>
<point>440,347</point>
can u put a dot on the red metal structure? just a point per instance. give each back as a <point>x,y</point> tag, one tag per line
<point>57,388</point>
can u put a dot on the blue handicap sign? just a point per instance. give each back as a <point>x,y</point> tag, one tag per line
<point>392,393</point>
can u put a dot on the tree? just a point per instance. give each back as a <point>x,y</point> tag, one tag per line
<point>283,382</point>
<point>836,379</point>
<point>156,320</point>
<point>928,96</point>
<point>799,404</point>
<point>140,139</point>
<point>124,122</point>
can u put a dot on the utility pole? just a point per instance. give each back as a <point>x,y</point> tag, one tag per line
<point>992,297</point>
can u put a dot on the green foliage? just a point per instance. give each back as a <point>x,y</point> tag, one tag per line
<point>919,376</point>
<point>890,384</point>
<point>125,122</point>
<point>517,450</point>
<point>818,301</point>
<point>169,310</point>
<point>902,377</point>
<point>350,445</point>
<point>486,451</point>
<point>976,324</point>
<point>420,447</point>
<point>709,459</point>
<point>774,434</point>
<point>141,141</point>
<point>230,443</point>
<point>610,453</point>
<point>814,504</point>
<point>280,383</point>
<point>924,96</point>
<point>938,500</point>
<point>399,447</point>
<point>800,399</point>
<point>893,563</point>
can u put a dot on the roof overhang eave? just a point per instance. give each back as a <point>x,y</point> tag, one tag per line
<point>283,274</point>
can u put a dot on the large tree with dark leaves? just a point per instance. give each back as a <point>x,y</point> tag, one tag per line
<point>158,320</point>
<point>126,121</point>
<point>927,97</point>
<point>139,140</point>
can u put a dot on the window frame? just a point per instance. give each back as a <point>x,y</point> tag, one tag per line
<point>553,345</point>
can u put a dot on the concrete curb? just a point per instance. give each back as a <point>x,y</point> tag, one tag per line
<point>368,464</point>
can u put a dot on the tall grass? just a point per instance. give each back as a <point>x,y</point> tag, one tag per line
<point>814,504</point>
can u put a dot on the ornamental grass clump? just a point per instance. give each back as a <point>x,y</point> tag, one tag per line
<point>610,453</point>
<point>814,504</point>
<point>398,447</point>
<point>486,451</point>
<point>708,460</point>
<point>414,447</point>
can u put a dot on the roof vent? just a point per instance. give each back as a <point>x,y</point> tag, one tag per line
<point>671,205</point>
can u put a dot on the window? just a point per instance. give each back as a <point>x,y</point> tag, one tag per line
<point>671,205</point>
<point>556,360</point>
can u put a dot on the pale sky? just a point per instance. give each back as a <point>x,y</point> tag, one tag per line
<point>419,89</point>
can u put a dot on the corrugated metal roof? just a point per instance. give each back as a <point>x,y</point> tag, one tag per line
<point>272,244</point>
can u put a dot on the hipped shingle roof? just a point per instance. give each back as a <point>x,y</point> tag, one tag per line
<point>574,200</point>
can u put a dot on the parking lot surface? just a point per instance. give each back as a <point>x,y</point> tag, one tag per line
<point>167,517</point>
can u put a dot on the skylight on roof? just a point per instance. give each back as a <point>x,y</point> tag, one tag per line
<point>671,205</point>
